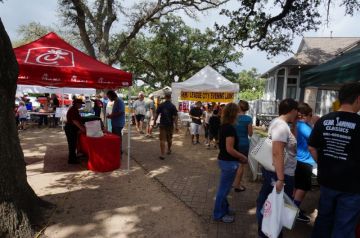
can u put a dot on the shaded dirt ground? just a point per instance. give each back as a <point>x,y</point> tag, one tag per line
<point>114,204</point>
<point>191,174</point>
<point>158,198</point>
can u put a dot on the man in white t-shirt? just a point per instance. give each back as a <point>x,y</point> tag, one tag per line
<point>139,112</point>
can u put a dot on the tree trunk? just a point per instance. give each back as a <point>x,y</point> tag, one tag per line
<point>19,205</point>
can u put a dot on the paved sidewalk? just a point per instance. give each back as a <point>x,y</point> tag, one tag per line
<point>191,174</point>
<point>100,205</point>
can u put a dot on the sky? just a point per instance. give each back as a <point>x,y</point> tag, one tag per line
<point>14,13</point>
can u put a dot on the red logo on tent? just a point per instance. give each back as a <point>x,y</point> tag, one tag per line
<point>50,56</point>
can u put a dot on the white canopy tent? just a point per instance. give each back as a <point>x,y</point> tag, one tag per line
<point>24,89</point>
<point>161,92</point>
<point>206,80</point>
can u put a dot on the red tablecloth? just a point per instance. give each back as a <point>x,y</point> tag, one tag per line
<point>103,152</point>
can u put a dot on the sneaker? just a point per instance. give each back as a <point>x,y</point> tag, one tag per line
<point>227,219</point>
<point>302,217</point>
<point>194,143</point>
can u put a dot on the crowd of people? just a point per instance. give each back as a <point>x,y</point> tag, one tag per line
<point>48,104</point>
<point>299,143</point>
<point>297,146</point>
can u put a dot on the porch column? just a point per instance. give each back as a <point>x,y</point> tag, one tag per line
<point>285,82</point>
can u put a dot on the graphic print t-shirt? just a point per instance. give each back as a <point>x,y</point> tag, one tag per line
<point>336,136</point>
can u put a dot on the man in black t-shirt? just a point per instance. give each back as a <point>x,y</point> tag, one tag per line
<point>168,119</point>
<point>195,113</point>
<point>334,143</point>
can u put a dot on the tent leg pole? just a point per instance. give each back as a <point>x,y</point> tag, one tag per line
<point>129,130</point>
<point>62,110</point>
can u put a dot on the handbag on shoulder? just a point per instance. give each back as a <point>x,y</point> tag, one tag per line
<point>262,153</point>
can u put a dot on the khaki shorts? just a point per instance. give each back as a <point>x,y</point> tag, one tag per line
<point>166,133</point>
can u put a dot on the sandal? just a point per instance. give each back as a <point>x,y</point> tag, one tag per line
<point>241,189</point>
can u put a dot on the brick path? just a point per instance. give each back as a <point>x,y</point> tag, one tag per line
<point>191,174</point>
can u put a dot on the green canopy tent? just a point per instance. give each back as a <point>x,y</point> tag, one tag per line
<point>342,69</point>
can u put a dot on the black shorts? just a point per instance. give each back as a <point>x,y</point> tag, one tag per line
<point>140,117</point>
<point>213,136</point>
<point>303,174</point>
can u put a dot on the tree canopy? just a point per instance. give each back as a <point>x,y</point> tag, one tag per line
<point>93,21</point>
<point>251,85</point>
<point>170,48</point>
<point>272,25</point>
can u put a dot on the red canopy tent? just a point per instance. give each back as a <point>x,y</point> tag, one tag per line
<point>50,61</point>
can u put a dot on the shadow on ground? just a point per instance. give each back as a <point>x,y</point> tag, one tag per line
<point>191,174</point>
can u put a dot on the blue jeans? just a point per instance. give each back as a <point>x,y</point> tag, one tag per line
<point>338,214</point>
<point>118,131</point>
<point>266,189</point>
<point>228,173</point>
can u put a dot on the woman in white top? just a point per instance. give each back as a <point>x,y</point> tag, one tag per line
<point>283,156</point>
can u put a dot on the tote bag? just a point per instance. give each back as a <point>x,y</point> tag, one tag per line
<point>262,153</point>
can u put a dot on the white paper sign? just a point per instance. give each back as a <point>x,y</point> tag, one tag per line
<point>310,96</point>
<point>93,129</point>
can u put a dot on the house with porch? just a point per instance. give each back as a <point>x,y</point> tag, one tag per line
<point>285,80</point>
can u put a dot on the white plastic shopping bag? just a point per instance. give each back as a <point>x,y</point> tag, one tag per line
<point>273,207</point>
<point>289,213</point>
<point>93,128</point>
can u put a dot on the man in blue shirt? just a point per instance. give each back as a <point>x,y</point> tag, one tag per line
<point>305,161</point>
<point>117,115</point>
